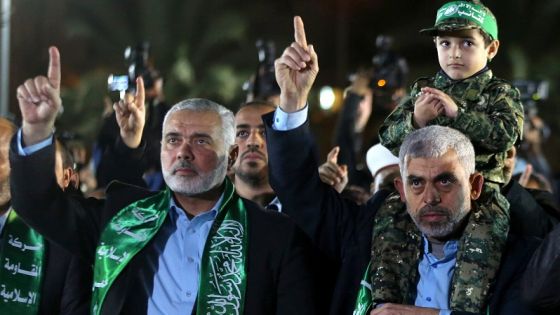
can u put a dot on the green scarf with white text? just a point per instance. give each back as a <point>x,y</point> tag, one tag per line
<point>21,267</point>
<point>222,281</point>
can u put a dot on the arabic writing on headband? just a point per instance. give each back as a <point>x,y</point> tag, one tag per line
<point>464,10</point>
<point>479,17</point>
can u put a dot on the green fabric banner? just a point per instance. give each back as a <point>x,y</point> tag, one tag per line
<point>21,267</point>
<point>364,301</point>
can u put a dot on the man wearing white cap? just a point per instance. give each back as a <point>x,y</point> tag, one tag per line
<point>384,167</point>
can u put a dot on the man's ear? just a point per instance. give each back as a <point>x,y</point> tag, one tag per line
<point>399,185</point>
<point>70,177</point>
<point>74,178</point>
<point>66,177</point>
<point>476,181</point>
<point>233,152</point>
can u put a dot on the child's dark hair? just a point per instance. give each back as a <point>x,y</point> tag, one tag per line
<point>487,39</point>
<point>65,154</point>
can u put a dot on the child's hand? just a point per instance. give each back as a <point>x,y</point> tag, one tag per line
<point>426,108</point>
<point>450,109</point>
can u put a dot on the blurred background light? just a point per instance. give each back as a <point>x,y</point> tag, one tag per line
<point>326,98</point>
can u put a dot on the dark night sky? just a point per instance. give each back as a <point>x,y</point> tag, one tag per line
<point>93,33</point>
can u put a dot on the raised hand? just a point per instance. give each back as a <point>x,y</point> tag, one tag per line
<point>361,82</point>
<point>333,174</point>
<point>296,70</point>
<point>39,102</point>
<point>526,175</point>
<point>131,115</point>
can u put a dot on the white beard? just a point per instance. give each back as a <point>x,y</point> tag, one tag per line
<point>198,184</point>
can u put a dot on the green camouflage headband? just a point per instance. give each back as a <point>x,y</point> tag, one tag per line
<point>460,15</point>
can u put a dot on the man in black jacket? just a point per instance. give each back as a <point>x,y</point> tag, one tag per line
<point>533,212</point>
<point>541,282</point>
<point>194,247</point>
<point>63,281</point>
<point>440,191</point>
<point>250,170</point>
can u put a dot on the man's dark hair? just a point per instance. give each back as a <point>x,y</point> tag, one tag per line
<point>257,103</point>
<point>65,154</point>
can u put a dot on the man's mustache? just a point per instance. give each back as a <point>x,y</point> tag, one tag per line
<point>253,151</point>
<point>434,210</point>
<point>181,165</point>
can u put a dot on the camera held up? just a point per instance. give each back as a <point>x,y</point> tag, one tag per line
<point>262,85</point>
<point>137,62</point>
<point>532,93</point>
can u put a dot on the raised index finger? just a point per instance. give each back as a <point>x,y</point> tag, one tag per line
<point>54,67</point>
<point>140,91</point>
<point>333,155</point>
<point>299,32</point>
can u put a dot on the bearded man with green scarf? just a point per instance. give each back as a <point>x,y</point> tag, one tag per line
<point>196,247</point>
